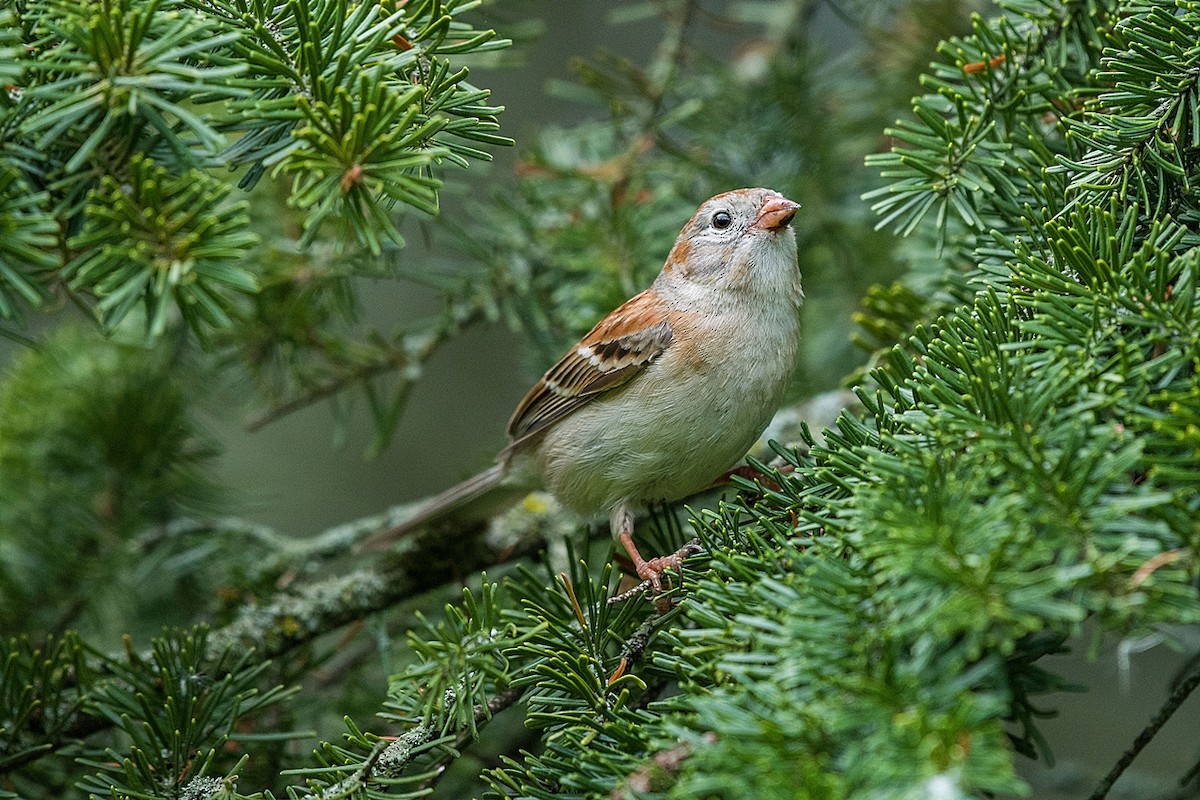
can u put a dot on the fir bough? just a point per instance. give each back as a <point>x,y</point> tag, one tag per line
<point>122,121</point>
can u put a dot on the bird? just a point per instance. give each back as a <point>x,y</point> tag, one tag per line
<point>667,391</point>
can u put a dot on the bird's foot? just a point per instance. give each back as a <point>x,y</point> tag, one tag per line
<point>653,571</point>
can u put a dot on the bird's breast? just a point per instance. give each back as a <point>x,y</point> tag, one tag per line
<point>687,417</point>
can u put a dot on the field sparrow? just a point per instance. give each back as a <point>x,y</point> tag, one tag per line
<point>667,391</point>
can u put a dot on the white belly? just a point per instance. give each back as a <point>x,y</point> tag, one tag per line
<point>672,429</point>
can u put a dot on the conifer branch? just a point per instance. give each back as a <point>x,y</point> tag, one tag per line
<point>494,706</point>
<point>299,615</point>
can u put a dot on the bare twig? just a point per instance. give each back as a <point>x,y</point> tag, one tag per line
<point>392,361</point>
<point>1182,690</point>
<point>635,646</point>
<point>396,360</point>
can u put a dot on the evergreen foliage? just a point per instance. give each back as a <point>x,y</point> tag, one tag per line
<point>115,452</point>
<point>1023,474</point>
<point>131,131</point>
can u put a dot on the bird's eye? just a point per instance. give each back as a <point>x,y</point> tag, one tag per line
<point>721,219</point>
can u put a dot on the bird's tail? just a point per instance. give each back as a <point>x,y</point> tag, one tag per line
<point>473,500</point>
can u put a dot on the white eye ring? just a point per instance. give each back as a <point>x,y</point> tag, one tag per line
<point>721,220</point>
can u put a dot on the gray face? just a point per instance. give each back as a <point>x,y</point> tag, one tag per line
<point>721,238</point>
<point>726,217</point>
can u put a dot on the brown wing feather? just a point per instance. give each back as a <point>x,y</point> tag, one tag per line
<point>612,353</point>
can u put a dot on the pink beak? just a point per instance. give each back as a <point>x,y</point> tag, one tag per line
<point>775,214</point>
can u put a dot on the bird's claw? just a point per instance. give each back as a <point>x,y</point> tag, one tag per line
<point>652,571</point>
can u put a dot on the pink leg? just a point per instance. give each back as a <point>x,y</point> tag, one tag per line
<point>653,569</point>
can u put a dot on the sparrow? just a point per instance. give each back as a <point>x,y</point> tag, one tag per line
<point>666,392</point>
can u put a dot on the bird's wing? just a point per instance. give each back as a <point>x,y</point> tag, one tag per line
<point>612,353</point>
